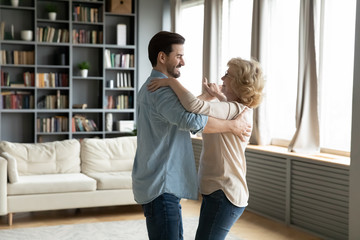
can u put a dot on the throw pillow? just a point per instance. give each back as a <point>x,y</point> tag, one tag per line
<point>12,167</point>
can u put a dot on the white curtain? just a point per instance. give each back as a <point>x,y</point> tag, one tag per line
<point>307,135</point>
<point>212,39</point>
<point>260,28</point>
<point>175,14</point>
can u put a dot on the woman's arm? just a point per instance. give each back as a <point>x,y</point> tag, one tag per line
<point>222,110</point>
<point>168,82</point>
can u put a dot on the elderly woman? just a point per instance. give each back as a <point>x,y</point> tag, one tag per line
<point>222,167</point>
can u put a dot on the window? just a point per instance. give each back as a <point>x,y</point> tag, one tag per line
<point>281,70</point>
<point>191,27</point>
<point>336,73</point>
<point>335,59</point>
<point>236,31</point>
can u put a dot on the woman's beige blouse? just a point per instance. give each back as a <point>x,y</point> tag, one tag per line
<point>222,162</point>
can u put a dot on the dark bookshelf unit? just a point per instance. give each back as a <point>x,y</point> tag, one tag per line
<point>44,97</point>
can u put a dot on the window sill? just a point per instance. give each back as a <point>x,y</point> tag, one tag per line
<point>282,151</point>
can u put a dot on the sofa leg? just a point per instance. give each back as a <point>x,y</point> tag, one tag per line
<point>10,219</point>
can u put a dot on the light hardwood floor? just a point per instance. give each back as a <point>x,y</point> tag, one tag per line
<point>250,226</point>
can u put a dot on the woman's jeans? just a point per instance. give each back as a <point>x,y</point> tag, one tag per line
<point>217,215</point>
<point>163,218</point>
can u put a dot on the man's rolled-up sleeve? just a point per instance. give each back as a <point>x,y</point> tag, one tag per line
<point>170,108</point>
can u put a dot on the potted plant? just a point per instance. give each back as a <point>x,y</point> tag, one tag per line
<point>84,68</point>
<point>51,9</point>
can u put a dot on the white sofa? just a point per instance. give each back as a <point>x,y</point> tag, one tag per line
<point>65,174</point>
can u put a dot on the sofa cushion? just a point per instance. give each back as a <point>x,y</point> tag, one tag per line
<point>45,158</point>
<point>107,155</point>
<point>12,167</point>
<point>112,180</point>
<point>52,183</point>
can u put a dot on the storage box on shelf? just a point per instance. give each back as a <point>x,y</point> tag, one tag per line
<point>50,84</point>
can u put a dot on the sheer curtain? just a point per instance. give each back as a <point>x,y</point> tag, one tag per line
<point>212,39</point>
<point>175,14</point>
<point>259,50</point>
<point>307,135</point>
<point>274,44</point>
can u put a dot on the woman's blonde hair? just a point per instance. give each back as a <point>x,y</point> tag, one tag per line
<point>249,81</point>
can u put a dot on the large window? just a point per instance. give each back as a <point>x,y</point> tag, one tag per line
<point>281,69</point>
<point>191,27</point>
<point>335,35</point>
<point>336,73</point>
<point>236,31</point>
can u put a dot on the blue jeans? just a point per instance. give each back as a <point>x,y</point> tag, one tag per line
<point>217,215</point>
<point>163,218</point>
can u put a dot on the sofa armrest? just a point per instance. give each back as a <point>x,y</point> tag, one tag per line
<point>3,186</point>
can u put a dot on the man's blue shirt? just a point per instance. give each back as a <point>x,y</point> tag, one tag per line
<point>164,161</point>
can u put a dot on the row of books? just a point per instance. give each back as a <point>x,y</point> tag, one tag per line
<point>119,102</point>
<point>17,57</point>
<point>123,60</point>
<point>28,80</point>
<point>81,124</point>
<point>52,79</point>
<point>87,36</point>
<point>52,124</point>
<point>17,100</point>
<point>57,101</point>
<point>5,78</point>
<point>123,80</point>
<point>86,14</point>
<point>51,34</point>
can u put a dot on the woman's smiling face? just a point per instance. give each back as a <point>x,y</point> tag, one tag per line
<point>226,87</point>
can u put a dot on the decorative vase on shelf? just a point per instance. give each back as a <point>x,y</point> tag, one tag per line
<point>15,3</point>
<point>52,16</point>
<point>84,72</point>
<point>109,122</point>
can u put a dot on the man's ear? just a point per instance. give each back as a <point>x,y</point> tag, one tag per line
<point>161,57</point>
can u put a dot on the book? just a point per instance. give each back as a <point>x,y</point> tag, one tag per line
<point>110,101</point>
<point>28,79</point>
<point>73,125</point>
<point>80,106</point>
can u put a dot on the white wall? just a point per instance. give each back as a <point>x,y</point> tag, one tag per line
<point>354,198</point>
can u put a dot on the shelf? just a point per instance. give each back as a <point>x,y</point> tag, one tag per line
<point>45,20</point>
<point>20,8</point>
<point>62,55</point>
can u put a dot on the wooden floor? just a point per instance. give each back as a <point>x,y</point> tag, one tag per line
<point>250,226</point>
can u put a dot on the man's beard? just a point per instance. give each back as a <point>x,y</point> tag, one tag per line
<point>172,72</point>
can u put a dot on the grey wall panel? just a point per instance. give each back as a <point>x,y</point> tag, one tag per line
<point>319,199</point>
<point>266,178</point>
<point>308,194</point>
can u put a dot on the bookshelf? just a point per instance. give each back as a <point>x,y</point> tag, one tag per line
<point>41,85</point>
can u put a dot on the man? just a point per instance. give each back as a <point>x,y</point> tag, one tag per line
<point>164,168</point>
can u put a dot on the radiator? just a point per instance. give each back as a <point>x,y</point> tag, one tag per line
<point>307,194</point>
